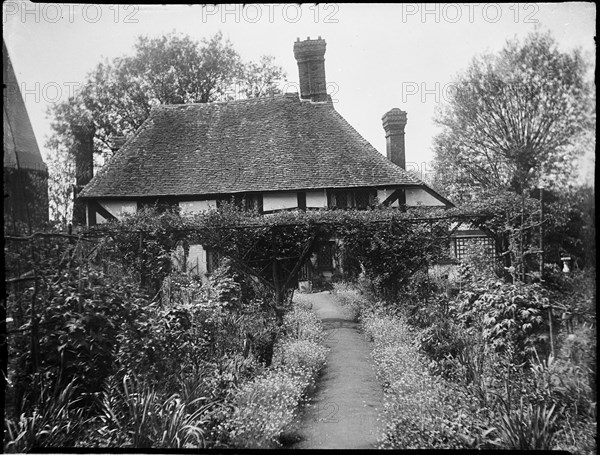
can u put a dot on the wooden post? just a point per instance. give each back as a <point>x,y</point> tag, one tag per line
<point>141,253</point>
<point>521,247</point>
<point>551,336</point>
<point>35,341</point>
<point>541,235</point>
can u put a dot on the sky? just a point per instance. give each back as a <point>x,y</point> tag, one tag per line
<point>378,57</point>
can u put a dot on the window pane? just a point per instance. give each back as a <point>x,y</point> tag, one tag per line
<point>325,255</point>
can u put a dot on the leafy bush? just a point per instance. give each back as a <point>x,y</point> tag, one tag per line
<point>79,327</point>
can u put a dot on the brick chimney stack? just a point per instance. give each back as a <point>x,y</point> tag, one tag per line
<point>310,55</point>
<point>394,122</point>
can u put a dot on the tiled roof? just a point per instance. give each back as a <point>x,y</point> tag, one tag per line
<point>20,147</point>
<point>265,144</point>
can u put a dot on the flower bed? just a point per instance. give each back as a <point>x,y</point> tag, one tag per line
<point>266,406</point>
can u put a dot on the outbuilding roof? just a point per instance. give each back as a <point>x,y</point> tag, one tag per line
<point>20,147</point>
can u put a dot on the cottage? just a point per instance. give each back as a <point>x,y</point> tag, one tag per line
<point>293,151</point>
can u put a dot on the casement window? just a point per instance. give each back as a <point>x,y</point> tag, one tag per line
<point>364,198</point>
<point>325,255</point>
<point>349,199</point>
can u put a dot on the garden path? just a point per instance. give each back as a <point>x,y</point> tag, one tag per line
<point>343,411</point>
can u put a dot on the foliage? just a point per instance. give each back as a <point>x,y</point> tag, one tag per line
<point>61,177</point>
<point>562,383</point>
<point>391,253</point>
<point>269,250</point>
<point>65,326</point>
<point>517,121</point>
<point>512,118</point>
<point>528,428</point>
<point>145,241</point>
<point>570,227</point>
<point>86,322</point>
<point>117,96</point>
<point>262,78</point>
<point>139,417</point>
<point>509,315</point>
<point>486,375</point>
<point>55,421</point>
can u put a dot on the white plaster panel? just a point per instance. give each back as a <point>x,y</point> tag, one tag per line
<point>316,199</point>
<point>383,194</point>
<point>417,196</point>
<point>117,209</point>
<point>279,201</point>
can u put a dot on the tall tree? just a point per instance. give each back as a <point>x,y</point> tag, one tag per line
<point>117,96</point>
<point>513,118</point>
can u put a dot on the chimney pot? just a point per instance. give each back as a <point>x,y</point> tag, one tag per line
<point>310,56</point>
<point>394,122</point>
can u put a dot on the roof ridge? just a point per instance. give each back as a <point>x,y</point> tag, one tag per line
<point>280,97</point>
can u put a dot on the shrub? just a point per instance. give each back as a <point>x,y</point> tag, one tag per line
<point>79,329</point>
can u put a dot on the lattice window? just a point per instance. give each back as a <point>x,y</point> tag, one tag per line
<point>213,258</point>
<point>463,246</point>
<point>325,255</point>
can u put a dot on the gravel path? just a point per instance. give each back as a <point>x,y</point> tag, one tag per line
<point>342,413</point>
